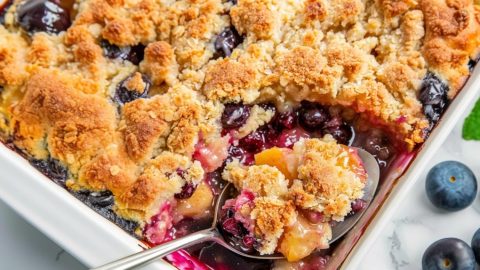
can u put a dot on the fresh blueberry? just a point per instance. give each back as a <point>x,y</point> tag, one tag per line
<point>451,186</point>
<point>133,54</point>
<point>235,115</point>
<point>448,254</point>
<point>226,41</point>
<point>312,116</point>
<point>52,169</point>
<point>3,10</point>
<point>123,94</point>
<point>43,16</point>
<point>476,245</point>
<point>433,95</point>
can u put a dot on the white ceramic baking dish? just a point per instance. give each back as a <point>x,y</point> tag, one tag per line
<point>94,240</point>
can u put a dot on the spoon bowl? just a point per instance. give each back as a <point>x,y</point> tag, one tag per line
<point>214,233</point>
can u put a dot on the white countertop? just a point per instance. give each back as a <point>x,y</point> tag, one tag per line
<point>416,225</point>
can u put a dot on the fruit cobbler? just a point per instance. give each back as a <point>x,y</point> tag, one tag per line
<point>145,109</point>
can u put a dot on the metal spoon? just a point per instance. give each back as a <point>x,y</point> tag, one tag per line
<point>213,233</point>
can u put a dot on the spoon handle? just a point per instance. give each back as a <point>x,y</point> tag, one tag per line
<point>147,256</point>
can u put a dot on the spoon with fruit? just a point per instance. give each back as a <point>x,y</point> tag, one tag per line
<point>223,230</point>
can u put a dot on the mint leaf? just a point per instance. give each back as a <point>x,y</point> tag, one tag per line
<point>471,126</point>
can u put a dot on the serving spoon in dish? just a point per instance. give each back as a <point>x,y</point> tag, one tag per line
<point>214,234</point>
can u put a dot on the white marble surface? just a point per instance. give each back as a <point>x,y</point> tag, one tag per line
<point>416,225</point>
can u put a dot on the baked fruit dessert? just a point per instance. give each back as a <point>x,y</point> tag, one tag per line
<point>143,109</point>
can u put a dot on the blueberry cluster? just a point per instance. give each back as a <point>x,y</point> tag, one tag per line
<point>239,235</point>
<point>452,186</point>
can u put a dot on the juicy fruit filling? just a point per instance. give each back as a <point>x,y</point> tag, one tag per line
<point>289,196</point>
<point>289,162</point>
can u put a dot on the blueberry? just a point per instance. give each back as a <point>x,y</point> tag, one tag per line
<point>379,145</point>
<point>358,205</point>
<point>134,54</point>
<point>226,41</point>
<point>124,94</point>
<point>285,120</point>
<point>476,245</point>
<point>239,153</point>
<point>187,191</point>
<point>451,186</point>
<point>312,116</point>
<point>471,64</point>
<point>101,199</point>
<point>343,133</point>
<point>433,95</point>
<point>254,142</point>
<point>43,16</point>
<point>448,253</point>
<point>4,9</point>
<point>52,169</point>
<point>233,227</point>
<point>235,115</point>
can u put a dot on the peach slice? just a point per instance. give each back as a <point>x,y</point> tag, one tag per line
<point>198,205</point>
<point>282,158</point>
<point>302,238</point>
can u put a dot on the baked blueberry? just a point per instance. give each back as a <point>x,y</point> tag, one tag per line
<point>187,191</point>
<point>235,115</point>
<point>312,116</point>
<point>254,142</point>
<point>134,54</point>
<point>43,16</point>
<point>131,88</point>
<point>451,186</point>
<point>226,41</point>
<point>379,145</point>
<point>342,132</point>
<point>358,205</point>
<point>239,153</point>
<point>433,95</point>
<point>476,245</point>
<point>448,253</point>
<point>233,227</point>
<point>3,10</point>
<point>471,64</point>
<point>101,199</point>
<point>284,120</point>
<point>52,169</point>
